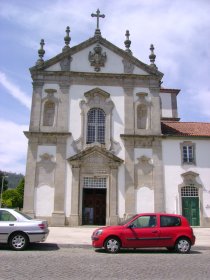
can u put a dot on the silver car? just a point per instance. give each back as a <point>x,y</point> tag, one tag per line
<point>18,229</point>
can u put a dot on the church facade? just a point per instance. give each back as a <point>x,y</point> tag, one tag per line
<point>105,140</point>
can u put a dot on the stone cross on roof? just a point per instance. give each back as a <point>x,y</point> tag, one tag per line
<point>97,15</point>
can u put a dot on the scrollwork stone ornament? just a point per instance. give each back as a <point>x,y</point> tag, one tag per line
<point>97,58</point>
<point>144,172</point>
<point>128,67</point>
<point>66,63</point>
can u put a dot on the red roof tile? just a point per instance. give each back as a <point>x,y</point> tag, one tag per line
<point>185,128</point>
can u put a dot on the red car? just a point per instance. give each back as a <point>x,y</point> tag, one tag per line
<point>146,230</point>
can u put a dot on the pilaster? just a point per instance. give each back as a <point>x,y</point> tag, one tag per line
<point>159,190</point>
<point>36,106</point>
<point>113,201</point>
<point>63,108</point>
<point>75,195</point>
<point>58,216</point>
<point>30,177</point>
<point>129,109</point>
<point>129,177</point>
<point>156,111</point>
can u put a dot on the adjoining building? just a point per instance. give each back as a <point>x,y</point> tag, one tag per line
<point>105,140</point>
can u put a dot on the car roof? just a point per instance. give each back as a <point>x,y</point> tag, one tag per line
<point>159,213</point>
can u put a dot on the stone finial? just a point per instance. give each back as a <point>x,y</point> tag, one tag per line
<point>127,42</point>
<point>97,15</point>
<point>152,56</point>
<point>67,39</point>
<point>41,53</point>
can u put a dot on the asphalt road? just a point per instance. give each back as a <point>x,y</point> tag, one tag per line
<point>50,262</point>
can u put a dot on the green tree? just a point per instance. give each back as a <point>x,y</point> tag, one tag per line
<point>5,186</point>
<point>14,198</point>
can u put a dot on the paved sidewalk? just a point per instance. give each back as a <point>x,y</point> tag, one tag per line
<point>82,235</point>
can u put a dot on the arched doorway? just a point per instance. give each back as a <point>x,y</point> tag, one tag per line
<point>190,204</point>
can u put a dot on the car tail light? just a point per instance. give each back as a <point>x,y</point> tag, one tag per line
<point>42,226</point>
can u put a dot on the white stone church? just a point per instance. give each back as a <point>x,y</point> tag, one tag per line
<point>105,140</point>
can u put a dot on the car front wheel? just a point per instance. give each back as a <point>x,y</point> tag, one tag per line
<point>112,245</point>
<point>18,241</point>
<point>183,246</point>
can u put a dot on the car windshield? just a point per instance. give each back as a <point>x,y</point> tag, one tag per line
<point>127,220</point>
<point>24,215</point>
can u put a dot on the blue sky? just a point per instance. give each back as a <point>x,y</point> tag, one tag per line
<point>179,30</point>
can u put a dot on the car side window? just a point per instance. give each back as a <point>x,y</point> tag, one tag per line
<point>169,221</point>
<point>145,221</point>
<point>6,216</point>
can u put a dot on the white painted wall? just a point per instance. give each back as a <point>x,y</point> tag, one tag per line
<point>68,190</point>
<point>166,105</point>
<point>144,200</point>
<point>173,170</point>
<point>80,62</point>
<point>44,200</point>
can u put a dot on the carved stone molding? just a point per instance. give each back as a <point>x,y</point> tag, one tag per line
<point>45,170</point>
<point>128,66</point>
<point>190,178</point>
<point>144,172</point>
<point>97,98</point>
<point>65,63</point>
<point>97,58</point>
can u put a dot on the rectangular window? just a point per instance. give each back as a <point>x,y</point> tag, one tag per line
<point>96,126</point>
<point>188,154</point>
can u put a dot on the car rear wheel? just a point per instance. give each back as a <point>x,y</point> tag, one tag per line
<point>183,246</point>
<point>18,241</point>
<point>112,245</point>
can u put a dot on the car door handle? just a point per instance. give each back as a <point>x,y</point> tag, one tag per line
<point>11,224</point>
<point>155,231</point>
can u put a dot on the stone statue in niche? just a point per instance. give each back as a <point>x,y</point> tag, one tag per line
<point>97,59</point>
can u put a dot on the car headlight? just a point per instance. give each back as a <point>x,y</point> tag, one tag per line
<point>99,232</point>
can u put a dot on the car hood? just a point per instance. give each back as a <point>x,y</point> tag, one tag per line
<point>117,227</point>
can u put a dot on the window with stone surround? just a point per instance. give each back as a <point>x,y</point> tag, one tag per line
<point>96,112</point>
<point>188,152</point>
<point>96,126</point>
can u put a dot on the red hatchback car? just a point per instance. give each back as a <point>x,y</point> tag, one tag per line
<point>146,230</point>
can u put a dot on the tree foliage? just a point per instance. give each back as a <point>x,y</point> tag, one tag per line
<point>13,198</point>
<point>5,183</point>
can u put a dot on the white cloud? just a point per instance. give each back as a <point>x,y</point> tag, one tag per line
<point>13,147</point>
<point>15,91</point>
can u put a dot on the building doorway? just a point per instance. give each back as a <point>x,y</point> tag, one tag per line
<point>94,206</point>
<point>190,204</point>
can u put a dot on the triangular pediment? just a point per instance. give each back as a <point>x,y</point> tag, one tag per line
<point>112,55</point>
<point>94,154</point>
